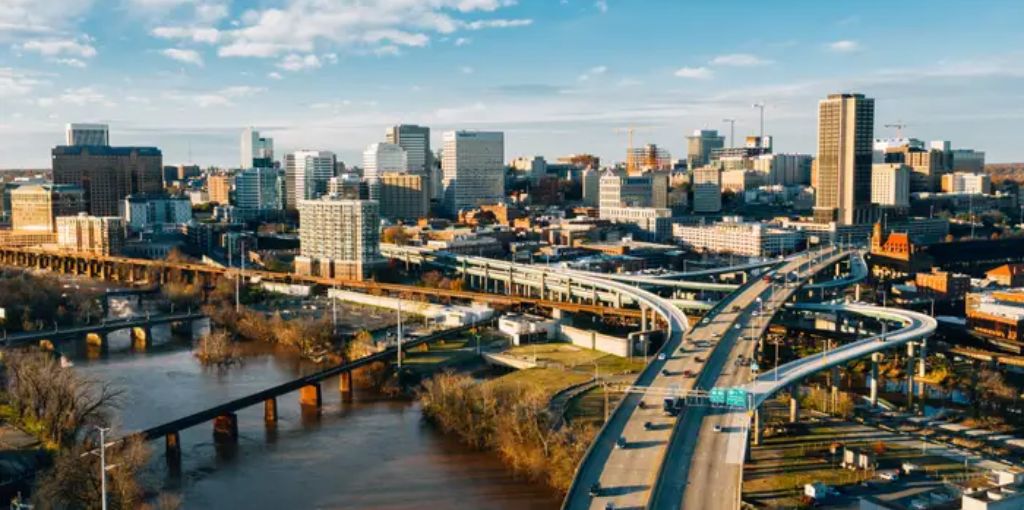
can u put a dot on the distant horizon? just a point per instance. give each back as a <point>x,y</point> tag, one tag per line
<point>188,76</point>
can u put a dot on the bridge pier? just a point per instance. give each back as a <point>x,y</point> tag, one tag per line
<point>345,386</point>
<point>834,383</point>
<point>643,318</point>
<point>922,357</point>
<point>910,375</point>
<point>96,339</point>
<point>794,404</point>
<point>873,379</point>
<point>172,448</point>
<point>270,410</point>
<point>225,428</point>
<point>142,338</point>
<point>47,345</point>
<point>310,396</point>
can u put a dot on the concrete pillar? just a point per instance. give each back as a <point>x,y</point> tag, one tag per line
<point>910,375</point>
<point>873,379</point>
<point>270,410</point>
<point>794,404</point>
<point>345,385</point>
<point>172,448</point>
<point>141,338</point>
<point>310,396</point>
<point>922,358</point>
<point>96,339</point>
<point>225,428</point>
<point>643,318</point>
<point>834,383</point>
<point>856,292</point>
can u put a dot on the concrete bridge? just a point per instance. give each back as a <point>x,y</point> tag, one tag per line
<point>96,334</point>
<point>225,419</point>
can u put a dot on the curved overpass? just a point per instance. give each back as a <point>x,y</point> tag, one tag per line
<point>703,469</point>
<point>916,326</point>
<point>858,272</point>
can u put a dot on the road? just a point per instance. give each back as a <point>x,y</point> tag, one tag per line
<point>694,474</point>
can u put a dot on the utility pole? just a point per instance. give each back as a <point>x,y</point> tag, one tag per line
<point>238,278</point>
<point>732,131</point>
<point>399,333</point>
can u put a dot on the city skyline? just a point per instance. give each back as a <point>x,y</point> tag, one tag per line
<point>188,76</point>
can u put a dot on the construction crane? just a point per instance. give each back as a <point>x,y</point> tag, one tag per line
<point>899,125</point>
<point>732,131</point>
<point>630,159</point>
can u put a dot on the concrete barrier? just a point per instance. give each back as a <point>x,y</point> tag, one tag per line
<point>593,340</point>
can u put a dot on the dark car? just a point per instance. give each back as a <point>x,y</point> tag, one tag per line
<point>595,490</point>
<point>620,442</point>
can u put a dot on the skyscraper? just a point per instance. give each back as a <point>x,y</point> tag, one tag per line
<point>473,169</point>
<point>87,134</point>
<point>259,192</point>
<point>381,158</point>
<point>306,175</point>
<point>416,142</point>
<point>36,207</point>
<point>256,151</point>
<point>338,238</point>
<point>845,135</point>
<point>403,195</point>
<point>108,174</point>
<point>700,145</point>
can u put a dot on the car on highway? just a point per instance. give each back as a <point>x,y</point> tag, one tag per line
<point>689,373</point>
<point>595,490</point>
<point>737,326</point>
<point>717,428</point>
<point>620,442</point>
<point>648,425</point>
<point>661,356</point>
<point>699,359</point>
<point>665,372</point>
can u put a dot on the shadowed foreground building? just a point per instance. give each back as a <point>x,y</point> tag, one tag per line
<point>90,234</point>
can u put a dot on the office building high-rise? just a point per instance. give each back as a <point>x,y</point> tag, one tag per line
<point>259,193</point>
<point>416,142</point>
<point>381,158</point>
<point>845,135</point>
<point>108,174</point>
<point>618,190</point>
<point>338,238</point>
<point>700,145</point>
<point>591,181</point>
<point>890,185</point>
<point>707,189</point>
<point>306,175</point>
<point>403,195</point>
<point>100,235</point>
<point>77,134</point>
<point>218,186</point>
<point>647,158</point>
<point>36,207</point>
<point>473,169</point>
<point>255,151</point>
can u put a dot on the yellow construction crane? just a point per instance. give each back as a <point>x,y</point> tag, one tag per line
<point>631,163</point>
<point>899,125</point>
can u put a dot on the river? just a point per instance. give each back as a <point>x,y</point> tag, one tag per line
<point>369,453</point>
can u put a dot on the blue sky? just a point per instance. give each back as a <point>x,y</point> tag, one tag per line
<point>558,76</point>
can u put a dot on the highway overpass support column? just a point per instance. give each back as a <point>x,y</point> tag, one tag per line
<point>794,404</point>
<point>834,383</point>
<point>910,375</point>
<point>643,318</point>
<point>922,357</point>
<point>873,381</point>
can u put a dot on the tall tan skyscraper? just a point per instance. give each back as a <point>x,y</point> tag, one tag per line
<point>845,136</point>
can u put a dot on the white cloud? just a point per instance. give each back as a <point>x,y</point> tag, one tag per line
<point>462,41</point>
<point>197,11</point>
<point>195,34</point>
<point>387,51</point>
<point>844,46</point>
<point>601,5</point>
<point>274,75</point>
<point>593,72</point>
<point>739,60</point>
<point>57,47</point>
<point>698,73</point>
<point>306,26</point>
<point>221,97</point>
<point>295,62</point>
<point>80,96</point>
<point>39,17</point>
<point>183,55</point>
<point>71,62</point>
<point>16,83</point>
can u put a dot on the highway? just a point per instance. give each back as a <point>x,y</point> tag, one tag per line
<point>703,464</point>
<point>626,473</point>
